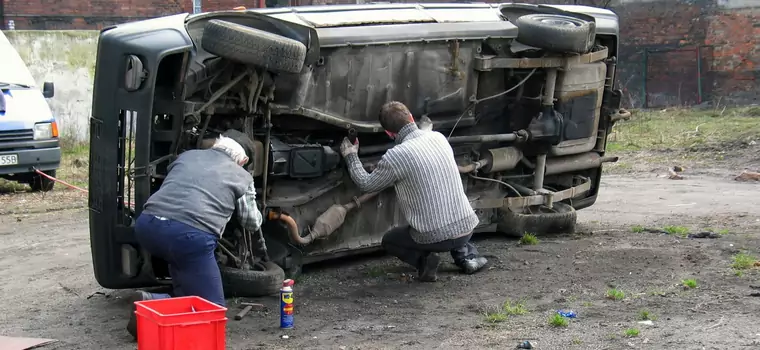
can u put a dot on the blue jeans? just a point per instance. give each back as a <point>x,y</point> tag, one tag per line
<point>189,253</point>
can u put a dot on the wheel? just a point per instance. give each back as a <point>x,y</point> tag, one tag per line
<point>265,279</point>
<point>560,218</point>
<point>40,183</point>
<point>556,32</point>
<point>252,46</point>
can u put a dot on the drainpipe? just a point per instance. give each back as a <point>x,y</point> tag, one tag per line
<point>196,6</point>
<point>2,14</point>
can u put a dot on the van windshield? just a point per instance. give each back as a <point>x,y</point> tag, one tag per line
<point>13,71</point>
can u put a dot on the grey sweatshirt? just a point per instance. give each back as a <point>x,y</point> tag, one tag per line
<point>428,185</point>
<point>203,189</point>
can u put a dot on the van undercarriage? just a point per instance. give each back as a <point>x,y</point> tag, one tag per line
<point>525,95</point>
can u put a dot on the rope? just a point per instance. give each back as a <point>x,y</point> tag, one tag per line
<point>69,185</point>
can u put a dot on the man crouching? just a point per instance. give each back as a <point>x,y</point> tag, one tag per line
<point>182,222</point>
<point>429,190</point>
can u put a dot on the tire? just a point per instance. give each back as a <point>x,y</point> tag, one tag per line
<point>39,183</point>
<point>252,46</point>
<point>265,280</point>
<point>556,33</point>
<point>560,219</point>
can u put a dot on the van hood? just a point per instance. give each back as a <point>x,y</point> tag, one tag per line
<point>22,109</point>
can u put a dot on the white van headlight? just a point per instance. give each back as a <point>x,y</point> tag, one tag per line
<point>43,131</point>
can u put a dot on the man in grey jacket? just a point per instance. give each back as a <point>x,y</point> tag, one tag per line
<point>182,222</point>
<point>429,190</point>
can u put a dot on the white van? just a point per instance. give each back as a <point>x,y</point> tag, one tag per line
<point>28,129</point>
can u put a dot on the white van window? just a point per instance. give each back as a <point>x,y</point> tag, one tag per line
<point>12,67</point>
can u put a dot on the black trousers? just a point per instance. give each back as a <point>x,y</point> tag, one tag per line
<point>399,243</point>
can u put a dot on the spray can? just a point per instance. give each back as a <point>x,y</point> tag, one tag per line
<point>286,304</point>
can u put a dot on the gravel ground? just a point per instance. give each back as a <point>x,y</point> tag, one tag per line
<point>49,291</point>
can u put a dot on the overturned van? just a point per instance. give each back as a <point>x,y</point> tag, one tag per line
<point>524,93</point>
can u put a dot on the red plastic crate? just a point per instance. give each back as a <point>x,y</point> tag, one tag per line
<point>184,323</point>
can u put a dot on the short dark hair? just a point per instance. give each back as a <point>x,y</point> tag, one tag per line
<point>394,116</point>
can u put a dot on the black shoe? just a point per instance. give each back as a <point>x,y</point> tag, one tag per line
<point>429,268</point>
<point>138,295</point>
<point>470,266</point>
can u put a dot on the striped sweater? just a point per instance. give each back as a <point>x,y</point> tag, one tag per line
<point>428,185</point>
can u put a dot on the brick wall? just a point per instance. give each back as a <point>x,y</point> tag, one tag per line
<point>660,40</point>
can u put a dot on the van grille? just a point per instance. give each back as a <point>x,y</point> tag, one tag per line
<point>16,135</point>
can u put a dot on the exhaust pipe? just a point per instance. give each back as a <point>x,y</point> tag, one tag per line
<point>326,224</point>
<point>577,162</point>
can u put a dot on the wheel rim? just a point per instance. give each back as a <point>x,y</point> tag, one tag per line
<point>559,21</point>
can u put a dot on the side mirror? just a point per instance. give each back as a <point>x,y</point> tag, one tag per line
<point>48,89</point>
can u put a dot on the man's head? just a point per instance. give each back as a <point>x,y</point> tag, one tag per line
<point>394,116</point>
<point>232,149</point>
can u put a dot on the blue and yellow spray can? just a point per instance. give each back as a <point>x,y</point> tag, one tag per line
<point>286,304</point>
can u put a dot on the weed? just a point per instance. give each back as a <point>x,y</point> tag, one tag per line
<point>631,332</point>
<point>637,229</point>
<point>676,230</point>
<point>615,294</point>
<point>690,283</point>
<point>577,341</point>
<point>743,261</point>
<point>496,317</point>
<point>682,128</point>
<point>556,320</point>
<point>529,239</point>
<point>514,308</point>
<point>645,315</point>
<point>723,231</point>
<point>375,271</point>
<point>588,304</point>
<point>739,273</point>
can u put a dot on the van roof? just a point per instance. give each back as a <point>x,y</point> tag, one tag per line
<point>12,67</point>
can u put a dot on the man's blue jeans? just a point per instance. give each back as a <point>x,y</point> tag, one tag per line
<point>189,253</point>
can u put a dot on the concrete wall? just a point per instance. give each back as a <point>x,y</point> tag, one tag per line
<point>66,58</point>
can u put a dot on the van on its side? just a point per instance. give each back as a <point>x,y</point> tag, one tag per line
<point>28,129</point>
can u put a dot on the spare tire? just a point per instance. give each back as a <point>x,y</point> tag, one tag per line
<point>252,46</point>
<point>265,279</point>
<point>556,32</point>
<point>558,219</point>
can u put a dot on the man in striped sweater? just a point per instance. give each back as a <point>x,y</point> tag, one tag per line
<point>429,190</point>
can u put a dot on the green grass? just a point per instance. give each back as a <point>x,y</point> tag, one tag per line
<point>508,308</point>
<point>743,261</point>
<point>577,341</point>
<point>690,283</point>
<point>645,315</point>
<point>637,229</point>
<point>631,332</point>
<point>615,294</point>
<point>529,239</point>
<point>676,230</point>
<point>677,128</point>
<point>496,317</point>
<point>556,320</point>
<point>514,308</point>
<point>375,271</point>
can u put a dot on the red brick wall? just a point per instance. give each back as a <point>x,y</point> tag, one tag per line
<point>96,14</point>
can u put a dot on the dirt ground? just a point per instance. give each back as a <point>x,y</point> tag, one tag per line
<point>48,289</point>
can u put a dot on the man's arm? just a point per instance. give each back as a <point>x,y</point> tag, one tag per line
<point>248,212</point>
<point>382,177</point>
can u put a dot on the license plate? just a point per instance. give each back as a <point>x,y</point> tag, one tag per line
<point>9,159</point>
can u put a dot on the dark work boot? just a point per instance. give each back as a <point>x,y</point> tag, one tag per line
<point>429,268</point>
<point>472,265</point>
<point>137,295</point>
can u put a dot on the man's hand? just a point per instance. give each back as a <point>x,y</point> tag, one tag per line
<point>426,123</point>
<point>346,147</point>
